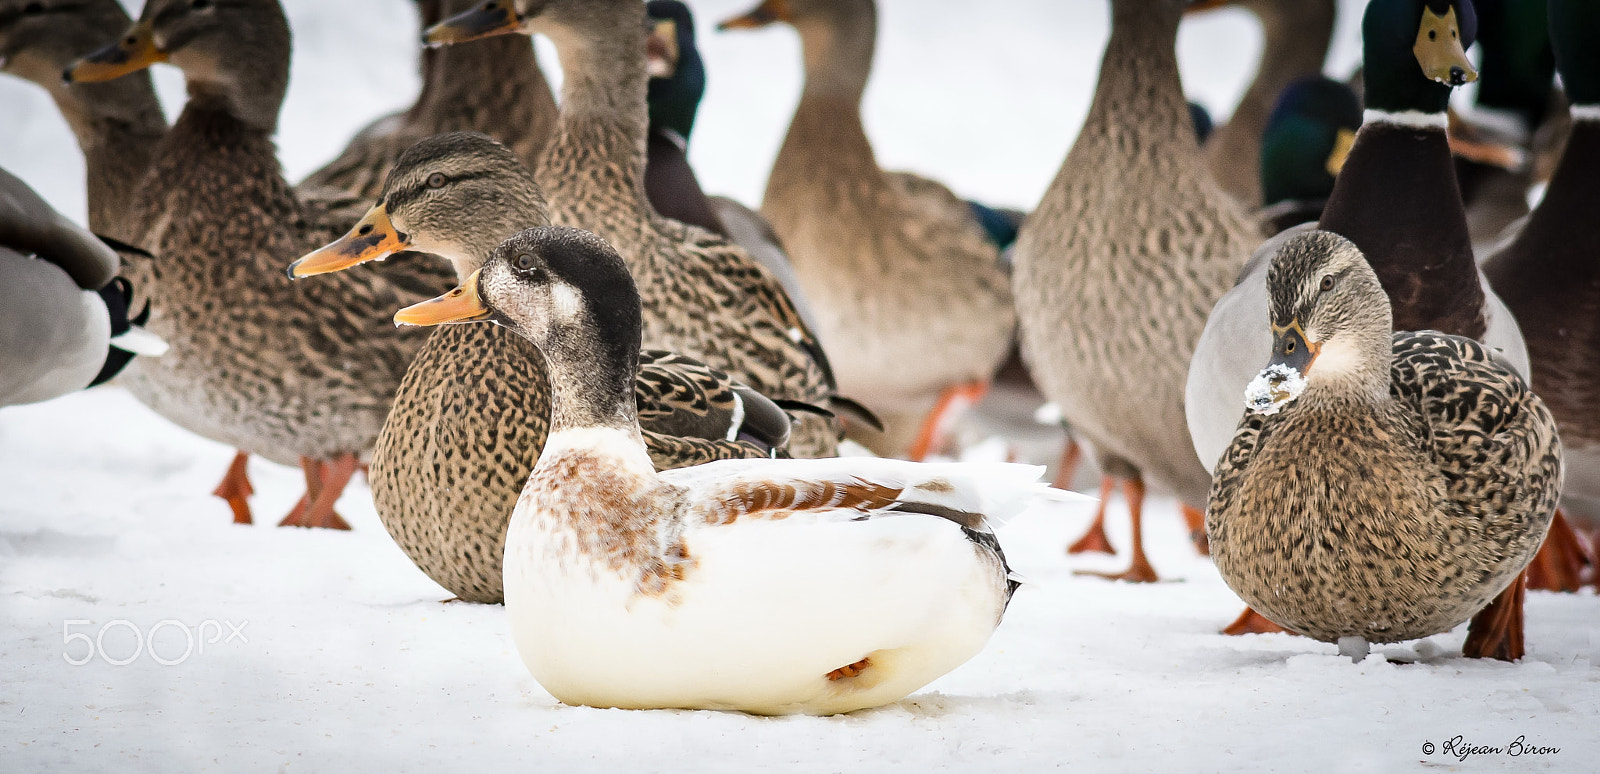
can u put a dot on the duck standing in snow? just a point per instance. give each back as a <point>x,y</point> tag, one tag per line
<point>767,586</point>
<point>1384,486</point>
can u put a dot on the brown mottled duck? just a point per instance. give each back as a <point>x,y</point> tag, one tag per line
<point>1113,282</point>
<point>1384,486</point>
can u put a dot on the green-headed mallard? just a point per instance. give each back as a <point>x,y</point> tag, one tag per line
<point>702,296</point>
<point>473,412</point>
<point>719,586</point>
<point>1549,275</point>
<point>1113,282</point>
<point>1384,486</point>
<point>912,298</point>
<point>1308,138</point>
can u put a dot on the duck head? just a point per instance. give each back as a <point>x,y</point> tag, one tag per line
<point>38,38</point>
<point>1330,323</point>
<point>1308,136</point>
<point>677,74</point>
<point>1414,53</point>
<point>568,292</point>
<point>456,195</point>
<point>235,52</point>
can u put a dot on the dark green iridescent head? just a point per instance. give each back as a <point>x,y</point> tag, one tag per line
<point>1575,32</point>
<point>1307,136</point>
<point>1516,63</point>
<point>1398,35</point>
<point>675,98</point>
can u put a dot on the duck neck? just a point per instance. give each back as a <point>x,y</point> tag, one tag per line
<point>118,126</point>
<point>1139,90</point>
<point>1396,198</point>
<point>591,380</point>
<point>826,130</point>
<point>1354,367</point>
<point>604,118</point>
<point>494,86</point>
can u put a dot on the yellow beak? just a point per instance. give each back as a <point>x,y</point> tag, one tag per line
<point>1342,143</point>
<point>373,239</point>
<point>1439,51</point>
<point>495,17</point>
<point>768,12</point>
<point>460,305</point>
<point>134,52</point>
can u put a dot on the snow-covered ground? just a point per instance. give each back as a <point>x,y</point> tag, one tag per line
<point>292,650</point>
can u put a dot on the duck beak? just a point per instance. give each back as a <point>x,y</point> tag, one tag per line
<point>135,51</point>
<point>1290,348</point>
<point>768,12</point>
<point>373,239</point>
<point>1438,49</point>
<point>661,49</point>
<point>460,305</point>
<point>1342,143</point>
<point>494,17</point>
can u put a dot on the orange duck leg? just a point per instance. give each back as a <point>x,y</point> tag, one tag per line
<point>1139,569</point>
<point>953,402</point>
<point>1496,631</point>
<point>325,481</point>
<point>1094,539</point>
<point>1560,562</point>
<point>236,489</point>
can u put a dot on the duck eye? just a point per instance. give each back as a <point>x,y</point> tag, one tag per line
<point>436,180</point>
<point>1327,282</point>
<point>524,261</point>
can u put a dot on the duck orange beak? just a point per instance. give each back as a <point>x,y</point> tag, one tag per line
<point>768,12</point>
<point>373,239</point>
<point>135,51</point>
<point>460,305</point>
<point>493,17</point>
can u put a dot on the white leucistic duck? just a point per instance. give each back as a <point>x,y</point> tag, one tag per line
<point>766,586</point>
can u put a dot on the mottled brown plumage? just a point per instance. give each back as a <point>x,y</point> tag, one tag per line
<point>287,371</point>
<point>701,295</point>
<point>1407,486</point>
<point>908,289</point>
<point>1123,258</point>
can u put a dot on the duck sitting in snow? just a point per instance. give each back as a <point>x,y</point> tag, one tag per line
<point>767,586</point>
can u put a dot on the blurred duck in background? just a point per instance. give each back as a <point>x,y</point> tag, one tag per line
<point>1308,138</point>
<point>913,300</point>
<point>1548,272</point>
<point>1296,35</point>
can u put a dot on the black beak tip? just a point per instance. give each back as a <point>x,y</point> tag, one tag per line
<point>66,75</point>
<point>1458,76</point>
<point>290,271</point>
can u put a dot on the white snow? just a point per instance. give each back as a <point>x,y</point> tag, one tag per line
<point>1273,388</point>
<point>346,659</point>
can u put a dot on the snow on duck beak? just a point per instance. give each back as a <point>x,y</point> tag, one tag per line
<point>460,305</point>
<point>373,239</point>
<point>135,51</point>
<point>493,17</point>
<point>1284,378</point>
<point>1439,50</point>
<point>769,12</point>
